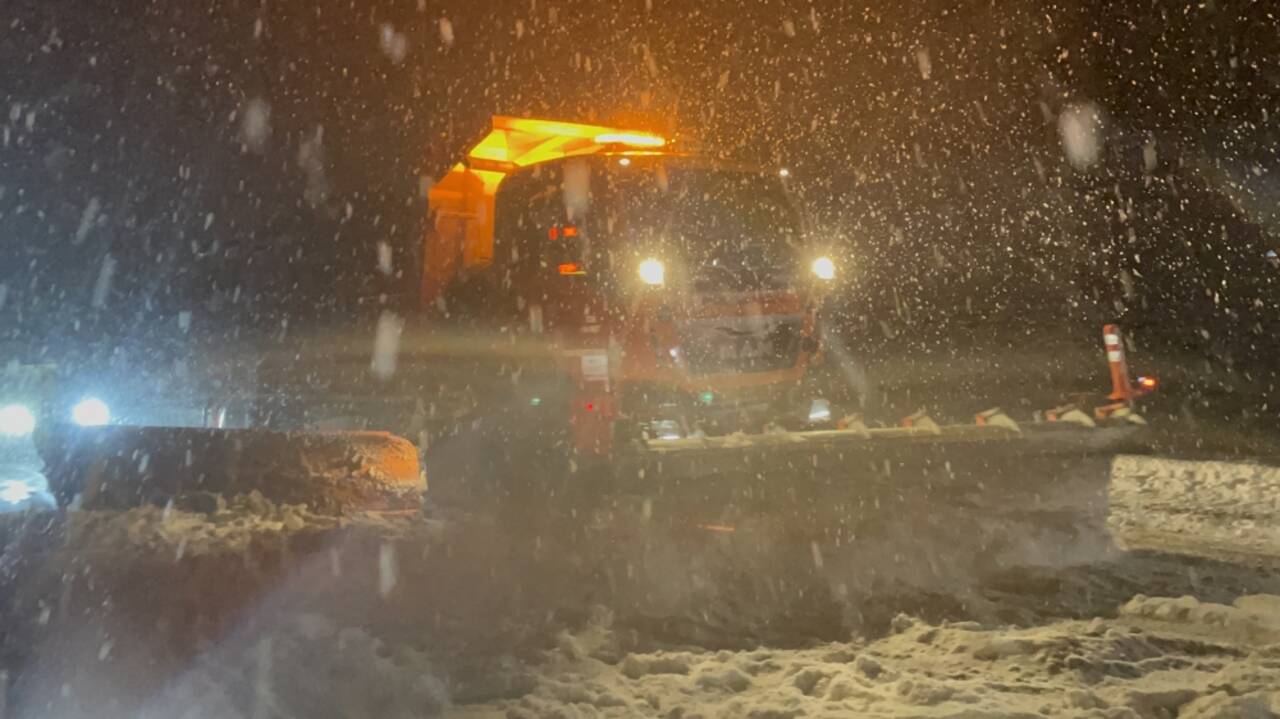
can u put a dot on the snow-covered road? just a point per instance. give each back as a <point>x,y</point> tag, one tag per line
<point>1156,657</point>
<point>1060,606</point>
<point>1148,657</point>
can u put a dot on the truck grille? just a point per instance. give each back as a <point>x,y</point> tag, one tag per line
<point>721,277</point>
<point>740,344</point>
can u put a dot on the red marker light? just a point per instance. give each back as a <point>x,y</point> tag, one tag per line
<point>553,233</point>
<point>571,268</point>
<point>570,231</point>
<point>591,406</point>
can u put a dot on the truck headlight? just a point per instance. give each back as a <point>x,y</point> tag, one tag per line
<point>824,268</point>
<point>652,272</point>
<point>16,421</point>
<point>14,492</point>
<point>90,412</point>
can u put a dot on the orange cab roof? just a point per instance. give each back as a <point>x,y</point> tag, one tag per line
<point>463,199</point>
<point>519,142</point>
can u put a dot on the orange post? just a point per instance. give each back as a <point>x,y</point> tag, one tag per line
<point>1121,390</point>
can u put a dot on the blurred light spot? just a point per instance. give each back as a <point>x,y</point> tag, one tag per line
<point>384,258</point>
<point>824,268</point>
<point>387,569</point>
<point>255,124</point>
<point>819,410</point>
<point>394,44</point>
<point>1149,158</point>
<point>652,272</point>
<point>386,345</point>
<point>87,219</point>
<point>16,421</point>
<point>91,412</point>
<point>13,492</point>
<point>1080,127</point>
<point>102,287</point>
<point>925,64</point>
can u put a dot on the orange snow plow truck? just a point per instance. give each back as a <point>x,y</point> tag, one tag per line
<point>671,286</point>
<point>594,298</point>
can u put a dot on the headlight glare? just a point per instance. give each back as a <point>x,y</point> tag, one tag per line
<point>652,272</point>
<point>90,412</point>
<point>824,268</point>
<point>16,421</point>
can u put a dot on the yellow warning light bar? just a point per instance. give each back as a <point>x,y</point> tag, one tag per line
<point>523,141</point>
<point>463,199</point>
<point>634,139</point>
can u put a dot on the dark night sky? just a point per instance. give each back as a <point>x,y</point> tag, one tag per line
<point>927,137</point>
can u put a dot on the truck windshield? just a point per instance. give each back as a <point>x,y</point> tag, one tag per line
<point>731,229</point>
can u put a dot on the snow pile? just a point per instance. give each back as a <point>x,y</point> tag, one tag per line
<point>1249,619</point>
<point>307,666</point>
<point>1209,508</point>
<point>1159,657</point>
<point>213,524</point>
<point>225,526</point>
<point>216,613</point>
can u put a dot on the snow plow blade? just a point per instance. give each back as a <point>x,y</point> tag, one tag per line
<point>118,467</point>
<point>1050,437</point>
<point>820,478</point>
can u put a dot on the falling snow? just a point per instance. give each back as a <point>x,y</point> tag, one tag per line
<point>394,44</point>
<point>255,124</point>
<point>1081,129</point>
<point>102,287</point>
<point>924,63</point>
<point>386,345</point>
<point>88,218</point>
<point>240,214</point>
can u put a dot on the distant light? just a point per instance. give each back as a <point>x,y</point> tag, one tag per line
<point>824,268</point>
<point>625,161</point>
<point>1148,383</point>
<point>707,397</point>
<point>652,272</point>
<point>819,410</point>
<point>667,429</point>
<point>591,406</point>
<point>13,491</point>
<point>16,421</point>
<point>535,401</point>
<point>784,172</point>
<point>634,139</point>
<point>570,268</point>
<point>91,412</point>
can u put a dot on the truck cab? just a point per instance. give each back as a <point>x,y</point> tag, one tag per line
<point>682,291</point>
